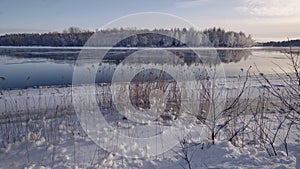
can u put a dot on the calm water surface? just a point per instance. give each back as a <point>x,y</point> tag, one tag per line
<point>32,67</point>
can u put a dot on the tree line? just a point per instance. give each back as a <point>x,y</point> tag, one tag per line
<point>282,43</point>
<point>73,36</point>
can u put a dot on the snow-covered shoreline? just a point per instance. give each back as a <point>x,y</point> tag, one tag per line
<point>48,98</point>
<point>56,133</point>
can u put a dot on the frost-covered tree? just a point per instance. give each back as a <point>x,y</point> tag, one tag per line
<point>132,37</point>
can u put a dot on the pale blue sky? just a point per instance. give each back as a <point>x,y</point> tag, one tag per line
<point>263,19</point>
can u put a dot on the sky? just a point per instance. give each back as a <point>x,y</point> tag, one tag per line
<point>265,20</point>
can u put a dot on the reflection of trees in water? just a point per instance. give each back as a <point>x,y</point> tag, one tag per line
<point>225,55</point>
<point>228,56</point>
<point>292,51</point>
<point>116,56</point>
<point>55,53</point>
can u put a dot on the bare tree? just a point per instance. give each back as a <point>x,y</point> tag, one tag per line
<point>285,101</point>
<point>220,117</point>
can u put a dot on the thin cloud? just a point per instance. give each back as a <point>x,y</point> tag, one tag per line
<point>270,7</point>
<point>190,3</point>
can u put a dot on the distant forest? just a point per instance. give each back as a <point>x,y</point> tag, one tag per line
<point>176,37</point>
<point>283,43</point>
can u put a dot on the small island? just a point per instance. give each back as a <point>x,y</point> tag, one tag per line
<point>73,36</point>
